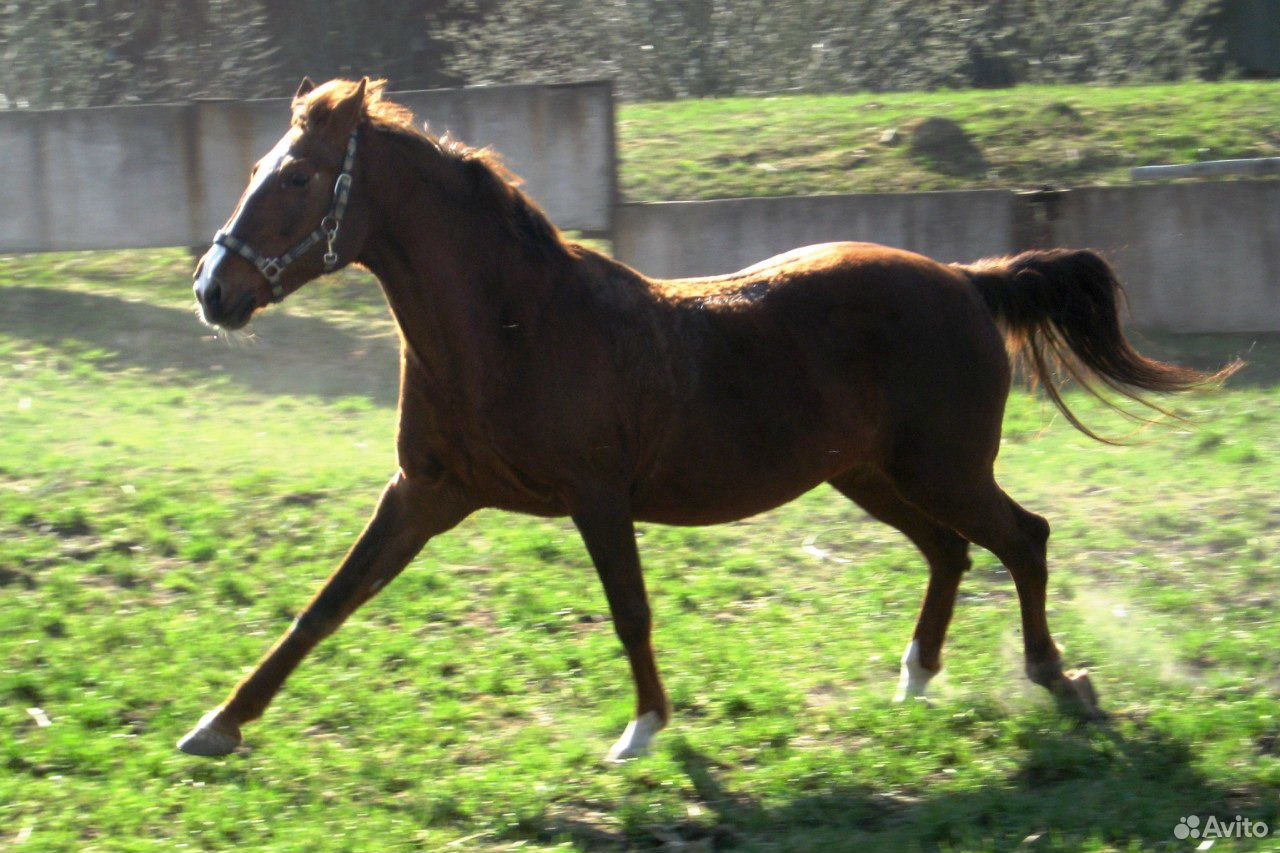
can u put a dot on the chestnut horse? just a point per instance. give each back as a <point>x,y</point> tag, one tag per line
<point>542,377</point>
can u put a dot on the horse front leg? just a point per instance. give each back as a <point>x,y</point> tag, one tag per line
<point>609,534</point>
<point>407,515</point>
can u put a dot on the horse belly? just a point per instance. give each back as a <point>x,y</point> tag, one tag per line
<point>711,506</point>
<point>698,486</point>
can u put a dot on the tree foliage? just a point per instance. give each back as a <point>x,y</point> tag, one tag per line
<point>401,41</point>
<point>97,52</point>
<point>675,48</point>
<point>65,53</point>
<point>92,52</point>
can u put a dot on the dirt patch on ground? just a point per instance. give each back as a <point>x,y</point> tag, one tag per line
<point>945,146</point>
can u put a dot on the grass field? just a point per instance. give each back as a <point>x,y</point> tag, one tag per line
<point>1028,136</point>
<point>169,500</point>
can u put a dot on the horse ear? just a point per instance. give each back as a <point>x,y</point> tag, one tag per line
<point>349,110</point>
<point>304,88</point>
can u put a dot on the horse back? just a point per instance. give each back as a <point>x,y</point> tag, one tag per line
<point>813,363</point>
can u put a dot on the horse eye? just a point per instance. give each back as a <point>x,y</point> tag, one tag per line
<point>296,179</point>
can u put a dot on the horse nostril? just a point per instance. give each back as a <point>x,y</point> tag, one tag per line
<point>210,295</point>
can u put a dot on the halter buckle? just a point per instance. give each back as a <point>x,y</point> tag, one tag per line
<point>271,269</point>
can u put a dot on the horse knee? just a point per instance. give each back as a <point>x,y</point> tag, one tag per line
<point>951,557</point>
<point>1027,548</point>
<point>1036,527</point>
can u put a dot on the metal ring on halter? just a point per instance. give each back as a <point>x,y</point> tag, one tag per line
<point>271,269</point>
<point>327,230</point>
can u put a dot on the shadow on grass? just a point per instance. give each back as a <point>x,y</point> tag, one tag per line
<point>309,356</point>
<point>1094,787</point>
<point>288,355</point>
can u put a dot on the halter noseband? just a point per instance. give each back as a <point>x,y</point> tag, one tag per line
<point>327,230</point>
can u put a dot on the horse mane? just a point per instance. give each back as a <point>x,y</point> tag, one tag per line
<point>492,184</point>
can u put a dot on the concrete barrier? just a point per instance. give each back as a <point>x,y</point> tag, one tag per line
<point>1254,167</point>
<point>670,239</point>
<point>1202,257</point>
<point>1197,257</point>
<point>91,179</point>
<point>1194,257</point>
<point>169,175</point>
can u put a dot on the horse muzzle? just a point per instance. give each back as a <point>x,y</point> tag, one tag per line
<point>221,304</point>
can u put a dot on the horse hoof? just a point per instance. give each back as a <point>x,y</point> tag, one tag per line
<point>636,739</point>
<point>211,737</point>
<point>1075,694</point>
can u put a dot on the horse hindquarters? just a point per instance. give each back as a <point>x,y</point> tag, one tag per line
<point>935,480</point>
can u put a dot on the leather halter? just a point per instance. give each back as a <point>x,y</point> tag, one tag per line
<point>327,230</point>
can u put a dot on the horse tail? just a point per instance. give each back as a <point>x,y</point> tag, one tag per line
<point>1060,308</point>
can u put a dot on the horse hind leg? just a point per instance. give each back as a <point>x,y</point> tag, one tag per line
<point>947,554</point>
<point>1027,562</point>
<point>981,512</point>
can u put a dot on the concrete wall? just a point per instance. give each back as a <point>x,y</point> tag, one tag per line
<point>1193,257</point>
<point>1196,257</point>
<point>708,237</point>
<point>169,175</point>
<point>87,179</point>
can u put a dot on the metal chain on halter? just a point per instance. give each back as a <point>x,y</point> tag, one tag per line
<point>273,268</point>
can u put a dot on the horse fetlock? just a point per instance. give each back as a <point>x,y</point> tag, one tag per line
<point>1045,672</point>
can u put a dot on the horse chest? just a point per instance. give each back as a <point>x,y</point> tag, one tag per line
<point>443,438</point>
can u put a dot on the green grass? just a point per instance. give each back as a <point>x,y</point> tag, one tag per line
<point>1028,136</point>
<point>168,502</point>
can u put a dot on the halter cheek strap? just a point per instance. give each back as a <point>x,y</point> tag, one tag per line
<point>273,268</point>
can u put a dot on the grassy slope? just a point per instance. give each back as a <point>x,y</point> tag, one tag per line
<point>167,502</point>
<point>830,143</point>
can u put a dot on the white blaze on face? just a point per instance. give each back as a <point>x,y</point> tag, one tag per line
<point>268,167</point>
<point>211,260</point>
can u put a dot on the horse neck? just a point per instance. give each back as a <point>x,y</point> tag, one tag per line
<point>453,278</point>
